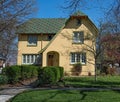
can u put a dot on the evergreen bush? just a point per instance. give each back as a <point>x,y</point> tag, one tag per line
<point>50,75</point>
<point>13,73</point>
<point>3,79</point>
<point>17,73</point>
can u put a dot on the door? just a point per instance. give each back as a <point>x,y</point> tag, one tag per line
<point>50,60</point>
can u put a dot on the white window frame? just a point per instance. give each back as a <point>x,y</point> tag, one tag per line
<point>32,40</point>
<point>78,37</point>
<point>78,58</point>
<point>27,58</point>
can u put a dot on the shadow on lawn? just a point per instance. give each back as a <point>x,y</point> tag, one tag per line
<point>83,95</point>
<point>58,93</point>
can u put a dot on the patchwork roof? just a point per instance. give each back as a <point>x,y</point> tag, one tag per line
<point>42,25</point>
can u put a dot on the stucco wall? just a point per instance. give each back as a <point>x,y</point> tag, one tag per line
<point>23,47</point>
<point>64,45</point>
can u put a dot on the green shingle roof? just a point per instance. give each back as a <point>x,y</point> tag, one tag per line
<point>42,25</point>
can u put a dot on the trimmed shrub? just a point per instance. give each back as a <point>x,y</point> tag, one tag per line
<point>61,69</point>
<point>13,73</point>
<point>50,75</point>
<point>28,71</point>
<point>3,79</point>
<point>46,76</point>
<point>17,73</point>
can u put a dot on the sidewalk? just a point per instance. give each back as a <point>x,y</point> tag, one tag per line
<point>8,93</point>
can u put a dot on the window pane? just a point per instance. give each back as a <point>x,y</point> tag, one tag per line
<point>78,37</point>
<point>32,40</point>
<point>24,59</point>
<point>81,37</point>
<point>32,58</point>
<point>77,57</point>
<point>72,58</point>
<point>75,37</point>
<point>83,59</point>
<point>28,58</point>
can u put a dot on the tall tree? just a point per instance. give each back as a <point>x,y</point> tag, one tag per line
<point>12,13</point>
<point>111,46</point>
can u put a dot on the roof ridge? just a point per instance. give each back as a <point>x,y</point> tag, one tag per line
<point>78,13</point>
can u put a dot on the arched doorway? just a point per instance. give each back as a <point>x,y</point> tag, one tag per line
<point>52,58</point>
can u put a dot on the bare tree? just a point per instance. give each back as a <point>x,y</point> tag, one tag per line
<point>113,18</point>
<point>12,13</point>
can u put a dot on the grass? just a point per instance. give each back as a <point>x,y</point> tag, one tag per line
<point>67,96</point>
<point>76,95</point>
<point>102,81</point>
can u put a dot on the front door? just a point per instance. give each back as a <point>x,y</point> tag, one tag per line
<point>50,60</point>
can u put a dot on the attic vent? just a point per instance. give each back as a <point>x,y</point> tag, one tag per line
<point>78,21</point>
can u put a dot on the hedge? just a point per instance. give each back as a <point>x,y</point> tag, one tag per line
<point>50,75</point>
<point>28,71</point>
<point>17,73</point>
<point>13,73</point>
<point>3,79</point>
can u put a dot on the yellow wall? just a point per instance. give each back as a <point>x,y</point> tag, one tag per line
<point>63,45</point>
<point>23,47</point>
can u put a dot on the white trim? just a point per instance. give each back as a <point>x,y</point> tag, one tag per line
<point>28,58</point>
<point>75,59</point>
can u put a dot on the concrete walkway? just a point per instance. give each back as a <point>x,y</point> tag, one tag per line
<point>8,93</point>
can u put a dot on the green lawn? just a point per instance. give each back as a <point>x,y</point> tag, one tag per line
<point>67,96</point>
<point>102,81</point>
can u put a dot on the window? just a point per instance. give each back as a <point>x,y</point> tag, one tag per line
<point>78,22</point>
<point>32,40</point>
<point>78,37</point>
<point>78,57</point>
<point>29,58</point>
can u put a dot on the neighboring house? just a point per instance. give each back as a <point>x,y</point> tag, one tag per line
<point>57,42</point>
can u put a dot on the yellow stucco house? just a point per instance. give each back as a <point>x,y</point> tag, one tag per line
<point>57,42</point>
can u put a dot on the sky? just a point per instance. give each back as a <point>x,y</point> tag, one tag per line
<point>53,9</point>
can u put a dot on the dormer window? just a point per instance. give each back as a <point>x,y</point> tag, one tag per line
<point>78,21</point>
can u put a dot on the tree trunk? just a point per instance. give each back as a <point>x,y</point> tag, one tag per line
<point>95,71</point>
